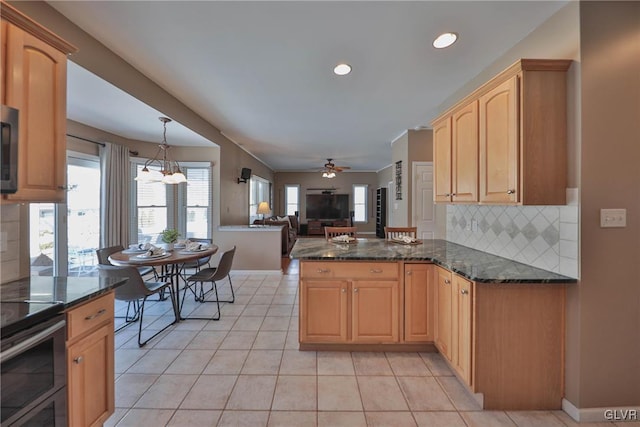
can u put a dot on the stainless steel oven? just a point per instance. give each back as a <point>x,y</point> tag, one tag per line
<point>33,378</point>
<point>9,150</point>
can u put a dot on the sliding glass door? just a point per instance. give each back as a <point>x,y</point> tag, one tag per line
<point>63,238</point>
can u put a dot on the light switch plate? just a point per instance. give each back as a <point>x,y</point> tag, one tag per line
<point>613,218</point>
<point>3,241</point>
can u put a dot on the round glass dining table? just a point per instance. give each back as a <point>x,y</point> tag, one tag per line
<point>172,264</point>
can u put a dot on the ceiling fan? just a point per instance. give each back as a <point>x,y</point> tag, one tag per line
<point>330,169</point>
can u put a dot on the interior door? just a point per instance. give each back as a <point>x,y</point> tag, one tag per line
<point>422,201</point>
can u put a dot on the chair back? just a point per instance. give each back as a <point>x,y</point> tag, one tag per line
<point>104,253</point>
<point>398,232</point>
<point>200,261</point>
<point>134,288</point>
<point>224,266</point>
<point>330,232</point>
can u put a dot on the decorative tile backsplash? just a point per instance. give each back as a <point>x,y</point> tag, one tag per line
<point>541,236</point>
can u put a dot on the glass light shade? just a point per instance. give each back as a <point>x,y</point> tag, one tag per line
<point>147,175</point>
<point>179,177</point>
<point>169,179</point>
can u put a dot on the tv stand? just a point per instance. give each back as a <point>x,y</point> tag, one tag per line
<point>316,227</point>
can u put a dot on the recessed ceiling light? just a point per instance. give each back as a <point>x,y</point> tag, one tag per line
<point>445,40</point>
<point>342,69</point>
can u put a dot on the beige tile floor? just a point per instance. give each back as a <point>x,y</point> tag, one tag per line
<point>246,370</point>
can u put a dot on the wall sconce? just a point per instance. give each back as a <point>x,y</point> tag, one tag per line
<point>244,175</point>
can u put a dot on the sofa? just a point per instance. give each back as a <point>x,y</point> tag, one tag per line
<point>289,231</point>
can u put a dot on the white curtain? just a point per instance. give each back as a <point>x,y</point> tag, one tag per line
<point>114,198</point>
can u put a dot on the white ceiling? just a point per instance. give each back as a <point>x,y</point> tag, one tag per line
<point>261,72</point>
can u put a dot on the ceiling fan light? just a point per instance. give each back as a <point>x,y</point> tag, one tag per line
<point>445,40</point>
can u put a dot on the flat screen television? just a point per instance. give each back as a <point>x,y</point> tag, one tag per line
<point>327,206</point>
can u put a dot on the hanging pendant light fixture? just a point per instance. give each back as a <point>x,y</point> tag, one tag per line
<point>169,172</point>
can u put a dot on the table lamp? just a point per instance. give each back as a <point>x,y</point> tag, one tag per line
<point>263,208</point>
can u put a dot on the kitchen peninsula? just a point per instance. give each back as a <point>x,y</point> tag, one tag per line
<point>497,322</point>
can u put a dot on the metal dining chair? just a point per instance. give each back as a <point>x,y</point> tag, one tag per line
<point>103,258</point>
<point>197,264</point>
<point>213,275</point>
<point>399,232</point>
<point>136,289</point>
<point>330,232</point>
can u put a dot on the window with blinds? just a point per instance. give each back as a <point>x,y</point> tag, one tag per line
<point>185,207</point>
<point>292,199</point>
<point>360,203</point>
<point>259,191</point>
<point>198,202</point>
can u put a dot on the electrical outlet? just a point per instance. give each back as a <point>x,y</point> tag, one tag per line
<point>613,218</point>
<point>3,241</point>
<point>474,225</point>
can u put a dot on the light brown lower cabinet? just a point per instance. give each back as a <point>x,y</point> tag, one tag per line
<point>90,362</point>
<point>443,332</point>
<point>418,302</point>
<point>347,302</point>
<point>505,341</point>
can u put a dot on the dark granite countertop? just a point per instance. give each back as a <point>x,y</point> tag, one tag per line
<point>475,265</point>
<point>70,291</point>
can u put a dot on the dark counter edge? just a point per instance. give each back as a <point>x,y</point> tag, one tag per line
<point>560,279</point>
<point>95,294</point>
<point>101,287</point>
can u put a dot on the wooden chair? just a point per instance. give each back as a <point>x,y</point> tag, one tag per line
<point>330,232</point>
<point>398,232</point>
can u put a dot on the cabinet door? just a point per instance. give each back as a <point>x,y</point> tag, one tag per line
<point>37,87</point>
<point>374,313</point>
<point>465,154</point>
<point>90,367</point>
<point>463,297</point>
<point>443,330</point>
<point>323,311</point>
<point>442,160</point>
<point>499,155</point>
<point>418,297</point>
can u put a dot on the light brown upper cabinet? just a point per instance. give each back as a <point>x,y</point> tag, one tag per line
<point>442,157</point>
<point>521,134</point>
<point>456,154</point>
<point>35,83</point>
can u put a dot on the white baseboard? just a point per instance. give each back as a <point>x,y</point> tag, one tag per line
<point>594,415</point>
<point>247,272</point>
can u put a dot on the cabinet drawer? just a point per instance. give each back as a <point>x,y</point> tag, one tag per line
<point>349,270</point>
<point>88,316</point>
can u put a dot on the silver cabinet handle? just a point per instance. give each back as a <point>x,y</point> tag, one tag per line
<point>447,281</point>
<point>409,273</point>
<point>464,292</point>
<point>375,271</point>
<point>78,360</point>
<point>511,191</point>
<point>355,290</point>
<point>323,270</point>
<point>98,314</point>
<point>344,290</point>
<point>31,342</point>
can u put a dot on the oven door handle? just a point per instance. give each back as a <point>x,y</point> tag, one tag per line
<point>31,341</point>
